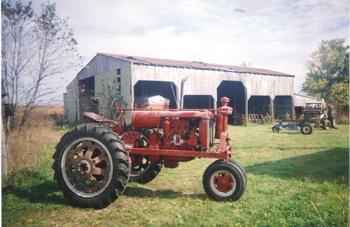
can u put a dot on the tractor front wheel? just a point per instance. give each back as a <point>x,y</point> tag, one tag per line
<point>224,180</point>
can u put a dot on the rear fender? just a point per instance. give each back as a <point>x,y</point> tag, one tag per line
<point>98,118</point>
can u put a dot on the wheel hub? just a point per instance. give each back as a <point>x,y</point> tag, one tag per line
<point>224,182</point>
<point>85,167</point>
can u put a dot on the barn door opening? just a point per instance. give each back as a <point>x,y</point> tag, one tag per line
<point>259,105</point>
<point>259,109</point>
<point>148,88</point>
<point>234,90</point>
<point>198,102</point>
<point>283,107</point>
<point>86,96</point>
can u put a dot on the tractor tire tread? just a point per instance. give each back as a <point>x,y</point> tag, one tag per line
<point>148,175</point>
<point>120,161</point>
<point>232,167</point>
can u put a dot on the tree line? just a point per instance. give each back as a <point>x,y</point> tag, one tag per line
<point>328,73</point>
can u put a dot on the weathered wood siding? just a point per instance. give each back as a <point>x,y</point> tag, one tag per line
<point>71,102</point>
<point>205,82</point>
<point>104,70</point>
<point>199,82</point>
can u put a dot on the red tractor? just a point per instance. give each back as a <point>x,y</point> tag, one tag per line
<point>94,162</point>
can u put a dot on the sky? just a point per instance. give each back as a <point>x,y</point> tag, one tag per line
<point>274,34</point>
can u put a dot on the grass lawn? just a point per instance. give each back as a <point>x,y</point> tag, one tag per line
<point>293,180</point>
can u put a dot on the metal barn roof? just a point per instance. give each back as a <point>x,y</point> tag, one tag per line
<point>194,65</point>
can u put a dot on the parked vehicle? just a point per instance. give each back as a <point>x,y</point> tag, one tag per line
<point>303,127</point>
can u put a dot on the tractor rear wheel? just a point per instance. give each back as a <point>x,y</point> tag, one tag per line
<point>144,171</point>
<point>91,166</point>
<point>224,180</point>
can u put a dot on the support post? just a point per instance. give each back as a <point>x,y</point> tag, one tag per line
<point>246,107</point>
<point>293,109</point>
<point>182,86</point>
<point>272,98</point>
<point>214,102</point>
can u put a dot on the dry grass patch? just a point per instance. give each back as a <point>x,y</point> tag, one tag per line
<point>26,144</point>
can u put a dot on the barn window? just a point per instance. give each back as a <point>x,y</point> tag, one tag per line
<point>87,86</point>
<point>118,71</point>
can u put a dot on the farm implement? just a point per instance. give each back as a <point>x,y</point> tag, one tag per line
<point>94,162</point>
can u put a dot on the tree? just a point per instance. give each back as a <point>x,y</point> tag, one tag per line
<point>328,76</point>
<point>17,23</point>
<point>36,47</point>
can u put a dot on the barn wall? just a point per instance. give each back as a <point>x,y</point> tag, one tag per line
<point>102,65</point>
<point>71,102</point>
<point>265,85</point>
<point>205,82</point>
<point>104,70</point>
<point>107,89</point>
<point>199,82</point>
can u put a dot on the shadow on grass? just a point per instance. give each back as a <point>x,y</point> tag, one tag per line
<point>35,187</point>
<point>141,192</point>
<point>45,193</point>
<point>282,148</point>
<point>49,193</point>
<point>328,165</point>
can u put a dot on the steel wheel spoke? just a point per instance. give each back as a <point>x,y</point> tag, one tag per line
<point>97,171</point>
<point>88,154</point>
<point>79,151</point>
<point>87,165</point>
<point>98,159</point>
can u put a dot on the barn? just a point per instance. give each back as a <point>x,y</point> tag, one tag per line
<point>187,84</point>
